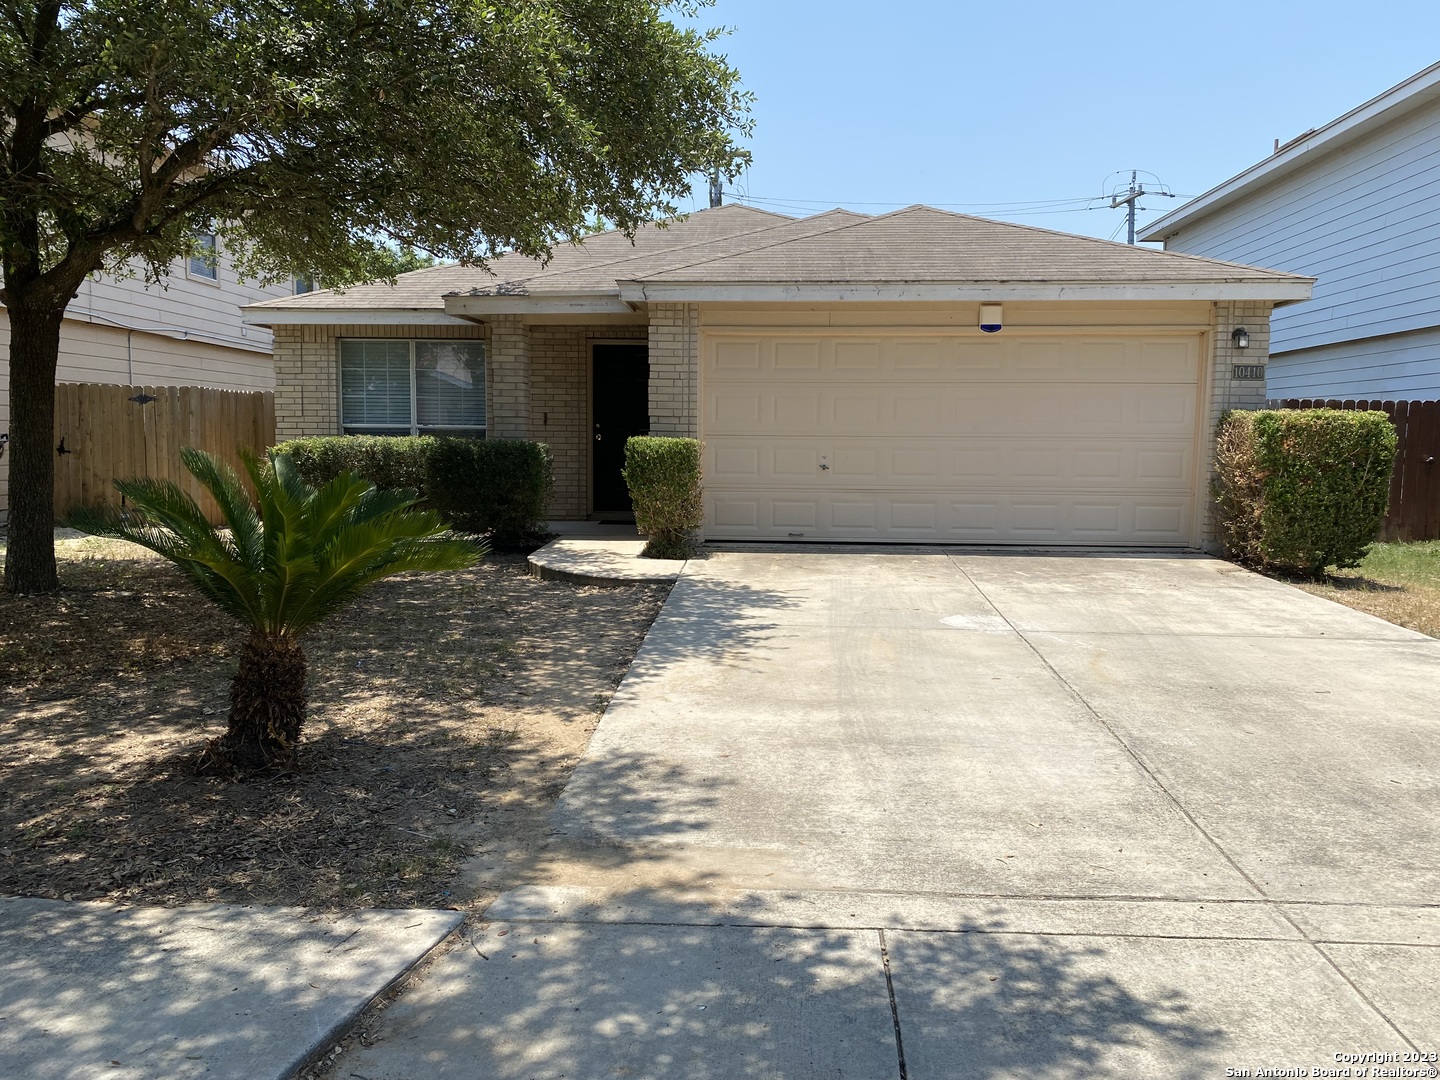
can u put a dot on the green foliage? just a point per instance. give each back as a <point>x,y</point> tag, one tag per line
<point>292,556</point>
<point>326,137</point>
<point>387,461</point>
<point>663,476</point>
<point>500,486</point>
<point>1303,490</point>
<point>323,137</point>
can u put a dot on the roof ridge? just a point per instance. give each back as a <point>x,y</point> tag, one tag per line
<point>1180,255</point>
<point>546,271</point>
<point>782,243</point>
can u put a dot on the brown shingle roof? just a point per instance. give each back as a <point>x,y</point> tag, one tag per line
<point>740,245</point>
<point>426,289</point>
<point>922,244</point>
<point>600,275</point>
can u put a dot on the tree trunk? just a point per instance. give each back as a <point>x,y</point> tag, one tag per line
<point>267,710</point>
<point>34,352</point>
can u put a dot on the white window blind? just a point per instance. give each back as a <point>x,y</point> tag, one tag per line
<point>412,387</point>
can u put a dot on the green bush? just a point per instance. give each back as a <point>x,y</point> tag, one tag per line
<point>663,476</point>
<point>497,486</point>
<point>387,461</point>
<point>500,486</point>
<point>1303,490</point>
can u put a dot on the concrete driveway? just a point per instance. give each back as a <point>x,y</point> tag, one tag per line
<point>921,815</point>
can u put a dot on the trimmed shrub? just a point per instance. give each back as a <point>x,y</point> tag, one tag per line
<point>663,476</point>
<point>387,461</point>
<point>500,486</point>
<point>1303,490</point>
<point>497,486</point>
<point>1239,489</point>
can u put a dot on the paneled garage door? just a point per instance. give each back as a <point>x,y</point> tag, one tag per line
<point>1010,439</point>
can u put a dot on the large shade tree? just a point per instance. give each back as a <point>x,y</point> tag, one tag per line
<point>317,136</point>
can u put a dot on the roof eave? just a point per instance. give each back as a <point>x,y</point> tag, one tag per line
<point>1408,96</point>
<point>585,303</point>
<point>1284,290</point>
<point>264,315</point>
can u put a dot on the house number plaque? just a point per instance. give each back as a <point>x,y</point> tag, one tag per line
<point>1248,372</point>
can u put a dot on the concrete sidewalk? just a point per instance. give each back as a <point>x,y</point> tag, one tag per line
<point>928,815</point>
<point>216,991</point>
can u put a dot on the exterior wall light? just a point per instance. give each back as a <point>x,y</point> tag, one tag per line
<point>1241,337</point>
<point>991,319</point>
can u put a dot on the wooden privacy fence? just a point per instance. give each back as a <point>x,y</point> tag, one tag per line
<point>1415,483</point>
<point>106,433</point>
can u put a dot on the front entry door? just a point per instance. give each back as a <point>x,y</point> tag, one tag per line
<point>620,408</point>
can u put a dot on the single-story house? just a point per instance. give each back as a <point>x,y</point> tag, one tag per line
<point>1356,205</point>
<point>913,376</point>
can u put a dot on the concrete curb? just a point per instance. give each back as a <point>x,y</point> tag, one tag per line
<point>602,562</point>
<point>97,991</point>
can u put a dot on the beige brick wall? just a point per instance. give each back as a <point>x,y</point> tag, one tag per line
<point>559,366</point>
<point>674,369</point>
<point>507,375</point>
<point>307,371</point>
<point>1228,393</point>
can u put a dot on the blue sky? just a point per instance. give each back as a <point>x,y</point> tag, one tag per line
<point>878,105</point>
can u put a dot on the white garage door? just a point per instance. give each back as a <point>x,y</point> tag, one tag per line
<point>1011,438</point>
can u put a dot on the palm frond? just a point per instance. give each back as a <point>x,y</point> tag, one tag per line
<point>294,555</point>
<point>236,507</point>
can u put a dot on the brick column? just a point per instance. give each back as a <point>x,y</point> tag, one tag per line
<point>507,367</point>
<point>307,392</point>
<point>674,369</point>
<point>1227,392</point>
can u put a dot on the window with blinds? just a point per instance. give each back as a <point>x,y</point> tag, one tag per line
<point>393,387</point>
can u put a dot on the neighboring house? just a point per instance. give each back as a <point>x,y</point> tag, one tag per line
<point>185,331</point>
<point>1356,205</point>
<point>838,369</point>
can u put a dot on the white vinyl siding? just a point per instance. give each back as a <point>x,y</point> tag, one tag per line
<point>397,387</point>
<point>1364,221</point>
<point>1012,439</point>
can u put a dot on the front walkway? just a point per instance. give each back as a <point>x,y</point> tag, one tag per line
<point>927,815</point>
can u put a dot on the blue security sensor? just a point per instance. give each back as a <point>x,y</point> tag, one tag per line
<point>991,321</point>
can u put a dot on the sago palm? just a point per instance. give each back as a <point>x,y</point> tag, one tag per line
<point>280,564</point>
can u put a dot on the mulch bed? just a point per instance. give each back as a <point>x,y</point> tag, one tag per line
<point>435,701</point>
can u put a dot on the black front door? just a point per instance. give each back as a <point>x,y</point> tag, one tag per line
<point>620,408</point>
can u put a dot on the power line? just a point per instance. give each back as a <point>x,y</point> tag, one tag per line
<point>1024,208</point>
<point>1130,197</point>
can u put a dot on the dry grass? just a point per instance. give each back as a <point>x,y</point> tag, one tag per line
<point>1398,582</point>
<point>447,711</point>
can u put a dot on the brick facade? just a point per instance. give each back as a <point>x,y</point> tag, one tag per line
<point>674,369</point>
<point>559,364</point>
<point>538,382</point>
<point>1227,392</point>
<point>307,371</point>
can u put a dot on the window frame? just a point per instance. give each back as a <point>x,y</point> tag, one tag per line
<point>213,276</point>
<point>479,431</point>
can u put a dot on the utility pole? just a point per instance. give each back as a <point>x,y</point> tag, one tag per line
<point>717,193</point>
<point>1131,196</point>
<point>1128,201</point>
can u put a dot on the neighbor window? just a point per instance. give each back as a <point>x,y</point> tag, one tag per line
<point>412,387</point>
<point>202,263</point>
<point>304,283</point>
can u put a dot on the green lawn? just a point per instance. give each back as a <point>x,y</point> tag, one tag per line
<point>1398,582</point>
